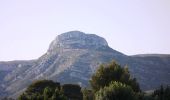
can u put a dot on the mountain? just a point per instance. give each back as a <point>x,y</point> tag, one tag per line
<point>153,55</point>
<point>9,67</point>
<point>153,70</point>
<point>73,57</point>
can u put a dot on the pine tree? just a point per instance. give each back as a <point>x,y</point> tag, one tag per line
<point>112,72</point>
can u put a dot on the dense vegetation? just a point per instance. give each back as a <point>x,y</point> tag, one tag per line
<point>49,90</point>
<point>113,82</point>
<point>115,91</point>
<point>110,82</point>
<point>112,72</point>
<point>43,90</point>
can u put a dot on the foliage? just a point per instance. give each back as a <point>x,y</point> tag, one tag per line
<point>43,90</point>
<point>72,91</point>
<point>88,94</point>
<point>47,93</point>
<point>144,96</point>
<point>163,93</point>
<point>30,97</point>
<point>112,72</point>
<point>115,91</point>
<point>58,95</point>
<point>40,85</point>
<point>22,97</point>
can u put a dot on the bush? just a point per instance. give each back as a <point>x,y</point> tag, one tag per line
<point>88,94</point>
<point>72,91</point>
<point>112,72</point>
<point>40,85</point>
<point>43,90</point>
<point>115,91</point>
<point>58,95</point>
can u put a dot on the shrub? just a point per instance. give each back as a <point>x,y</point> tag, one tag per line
<point>115,91</point>
<point>112,72</point>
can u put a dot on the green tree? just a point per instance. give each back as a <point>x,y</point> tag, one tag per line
<point>58,95</point>
<point>47,93</point>
<point>115,91</point>
<point>112,72</point>
<point>88,94</point>
<point>72,91</point>
<point>39,90</point>
<point>40,85</point>
<point>22,97</point>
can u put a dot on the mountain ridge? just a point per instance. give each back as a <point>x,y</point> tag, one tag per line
<point>151,55</point>
<point>74,56</point>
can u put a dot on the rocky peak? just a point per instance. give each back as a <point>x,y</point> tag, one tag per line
<point>77,39</point>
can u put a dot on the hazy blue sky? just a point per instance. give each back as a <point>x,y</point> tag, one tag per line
<point>130,26</point>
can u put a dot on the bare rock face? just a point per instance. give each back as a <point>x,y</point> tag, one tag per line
<point>77,39</point>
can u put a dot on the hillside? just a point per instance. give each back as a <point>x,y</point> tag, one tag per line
<point>74,56</point>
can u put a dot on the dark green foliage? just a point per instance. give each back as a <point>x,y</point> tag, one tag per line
<point>58,95</point>
<point>72,91</point>
<point>22,97</point>
<point>35,96</point>
<point>112,72</point>
<point>88,94</point>
<point>147,98</point>
<point>144,96</point>
<point>40,85</point>
<point>47,93</point>
<point>43,90</point>
<point>163,93</point>
<point>49,90</point>
<point>115,91</point>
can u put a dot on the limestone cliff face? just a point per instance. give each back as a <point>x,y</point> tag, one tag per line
<point>77,39</point>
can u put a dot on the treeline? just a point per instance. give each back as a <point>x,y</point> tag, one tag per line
<point>49,90</point>
<point>110,82</point>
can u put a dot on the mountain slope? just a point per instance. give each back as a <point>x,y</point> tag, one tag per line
<point>153,70</point>
<point>74,56</point>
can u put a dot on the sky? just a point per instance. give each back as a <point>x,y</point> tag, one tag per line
<point>130,26</point>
